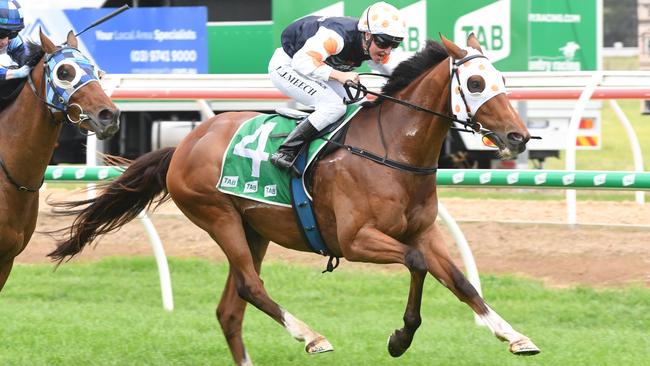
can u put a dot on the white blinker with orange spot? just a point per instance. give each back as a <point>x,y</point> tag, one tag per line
<point>480,66</point>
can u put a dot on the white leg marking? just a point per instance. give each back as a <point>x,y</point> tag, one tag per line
<point>314,342</point>
<point>519,343</point>
<point>247,360</point>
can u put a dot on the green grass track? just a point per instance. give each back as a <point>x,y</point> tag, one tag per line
<point>110,313</point>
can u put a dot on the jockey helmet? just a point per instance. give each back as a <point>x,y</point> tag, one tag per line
<point>11,16</point>
<point>383,19</point>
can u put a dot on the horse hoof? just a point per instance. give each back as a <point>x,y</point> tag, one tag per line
<point>396,346</point>
<point>319,345</point>
<point>524,347</point>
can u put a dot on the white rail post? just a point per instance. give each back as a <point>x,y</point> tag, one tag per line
<point>572,135</point>
<point>465,252</point>
<point>206,110</point>
<point>161,261</point>
<point>634,144</point>
<point>91,160</point>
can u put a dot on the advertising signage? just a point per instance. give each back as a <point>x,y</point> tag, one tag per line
<point>517,35</point>
<point>170,40</point>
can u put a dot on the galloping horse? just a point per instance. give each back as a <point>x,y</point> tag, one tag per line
<point>62,85</point>
<point>368,212</point>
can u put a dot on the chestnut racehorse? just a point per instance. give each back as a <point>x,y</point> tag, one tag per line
<point>29,129</point>
<point>368,212</point>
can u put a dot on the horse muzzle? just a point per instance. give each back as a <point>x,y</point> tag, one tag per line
<point>105,123</point>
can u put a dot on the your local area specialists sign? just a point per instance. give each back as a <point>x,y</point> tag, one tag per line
<point>168,40</point>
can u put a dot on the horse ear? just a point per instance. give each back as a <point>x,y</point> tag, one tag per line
<point>453,50</point>
<point>46,44</point>
<point>472,41</point>
<point>72,40</point>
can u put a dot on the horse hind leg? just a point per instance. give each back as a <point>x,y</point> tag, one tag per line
<point>442,268</point>
<point>245,285</point>
<point>231,308</point>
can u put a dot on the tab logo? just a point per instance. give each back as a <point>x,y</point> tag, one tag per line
<point>250,187</point>
<point>229,181</point>
<point>270,190</point>
<point>491,25</point>
<point>485,178</point>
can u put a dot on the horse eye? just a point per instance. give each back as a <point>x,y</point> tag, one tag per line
<point>475,84</point>
<point>65,72</point>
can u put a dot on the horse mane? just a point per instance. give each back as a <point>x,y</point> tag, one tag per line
<point>409,70</point>
<point>34,53</point>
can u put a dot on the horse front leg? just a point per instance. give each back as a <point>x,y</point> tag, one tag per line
<point>371,245</point>
<point>401,339</point>
<point>444,270</point>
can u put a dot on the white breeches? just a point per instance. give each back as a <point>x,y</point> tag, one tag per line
<point>326,97</point>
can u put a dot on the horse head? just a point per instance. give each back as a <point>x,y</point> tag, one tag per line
<point>478,95</point>
<point>72,87</point>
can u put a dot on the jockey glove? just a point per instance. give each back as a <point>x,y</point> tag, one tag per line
<point>20,72</point>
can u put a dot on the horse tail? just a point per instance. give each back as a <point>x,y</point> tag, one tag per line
<point>120,201</point>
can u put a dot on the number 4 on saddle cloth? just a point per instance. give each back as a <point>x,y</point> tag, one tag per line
<point>247,171</point>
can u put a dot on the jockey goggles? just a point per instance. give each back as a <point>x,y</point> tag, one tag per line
<point>5,33</point>
<point>385,41</point>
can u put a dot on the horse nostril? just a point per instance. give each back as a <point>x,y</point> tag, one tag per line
<point>111,130</point>
<point>518,141</point>
<point>106,115</point>
<point>516,138</point>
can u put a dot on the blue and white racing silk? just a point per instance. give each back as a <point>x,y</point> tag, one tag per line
<point>18,51</point>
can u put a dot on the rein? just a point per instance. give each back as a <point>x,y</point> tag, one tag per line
<point>362,91</point>
<point>469,125</point>
<point>15,183</point>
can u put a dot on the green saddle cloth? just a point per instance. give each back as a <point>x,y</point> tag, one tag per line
<point>247,171</point>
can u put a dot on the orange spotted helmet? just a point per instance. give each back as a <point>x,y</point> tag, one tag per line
<point>383,20</point>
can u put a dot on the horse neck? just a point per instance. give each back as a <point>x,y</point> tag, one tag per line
<point>27,134</point>
<point>413,136</point>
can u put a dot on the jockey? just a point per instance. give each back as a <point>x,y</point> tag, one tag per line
<point>11,23</point>
<point>317,57</point>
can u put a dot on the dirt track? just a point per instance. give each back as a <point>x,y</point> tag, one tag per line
<point>598,255</point>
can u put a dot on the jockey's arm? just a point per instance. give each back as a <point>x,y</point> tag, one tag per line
<point>310,59</point>
<point>18,52</point>
<point>7,73</point>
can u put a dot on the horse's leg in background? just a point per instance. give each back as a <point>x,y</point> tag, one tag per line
<point>371,245</point>
<point>5,269</point>
<point>218,217</point>
<point>433,246</point>
<point>230,311</point>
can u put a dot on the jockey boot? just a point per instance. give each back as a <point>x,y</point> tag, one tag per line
<point>286,154</point>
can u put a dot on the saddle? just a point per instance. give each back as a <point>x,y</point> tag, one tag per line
<point>332,145</point>
<point>9,90</point>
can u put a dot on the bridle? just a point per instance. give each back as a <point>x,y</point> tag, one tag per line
<point>58,94</point>
<point>469,125</point>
